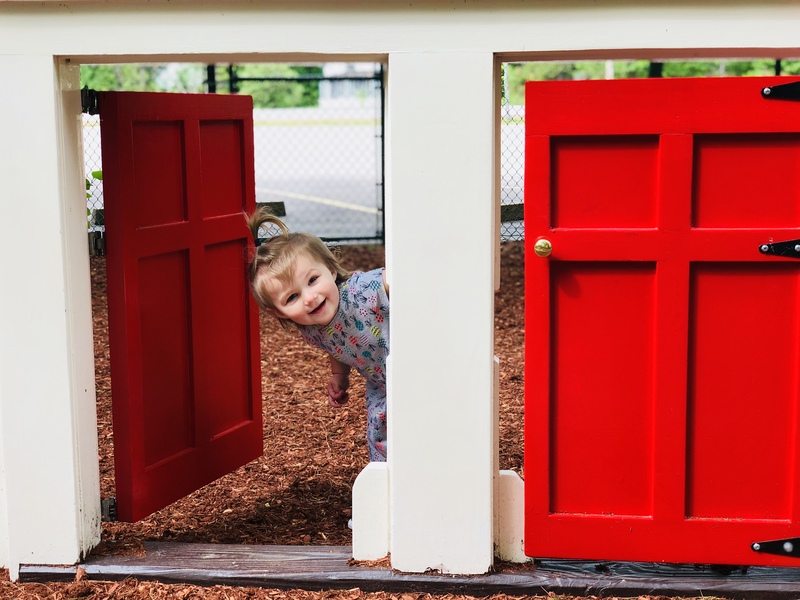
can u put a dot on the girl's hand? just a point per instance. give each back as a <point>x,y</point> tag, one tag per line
<point>337,389</point>
<point>338,383</point>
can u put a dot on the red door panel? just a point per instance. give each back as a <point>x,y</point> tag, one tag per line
<point>662,348</point>
<point>183,329</point>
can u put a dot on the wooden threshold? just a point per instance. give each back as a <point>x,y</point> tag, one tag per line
<point>330,568</point>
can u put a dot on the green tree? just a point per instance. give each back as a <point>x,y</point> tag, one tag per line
<point>790,67</point>
<point>281,93</point>
<point>691,69</point>
<point>516,74</point>
<point>124,77</point>
<point>179,77</point>
<point>630,69</point>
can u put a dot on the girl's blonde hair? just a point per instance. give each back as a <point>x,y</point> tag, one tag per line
<point>275,257</point>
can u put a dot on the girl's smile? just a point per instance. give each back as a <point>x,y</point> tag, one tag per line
<point>310,297</point>
<point>319,308</point>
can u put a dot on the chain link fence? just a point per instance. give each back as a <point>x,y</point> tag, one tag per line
<point>324,164</point>
<point>321,168</point>
<point>512,171</point>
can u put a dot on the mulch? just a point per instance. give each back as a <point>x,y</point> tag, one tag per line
<point>299,491</point>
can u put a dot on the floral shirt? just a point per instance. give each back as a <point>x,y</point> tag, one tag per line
<point>359,333</point>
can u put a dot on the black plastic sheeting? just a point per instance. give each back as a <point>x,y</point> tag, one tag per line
<point>661,579</point>
<point>330,568</point>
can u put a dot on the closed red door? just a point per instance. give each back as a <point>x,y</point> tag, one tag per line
<point>183,328</point>
<point>662,347</point>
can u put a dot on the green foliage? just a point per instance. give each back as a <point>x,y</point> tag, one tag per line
<point>516,74</point>
<point>691,69</point>
<point>176,77</point>
<point>790,67</point>
<point>143,78</point>
<point>519,73</point>
<point>96,176</point>
<point>137,78</point>
<point>630,69</point>
<point>183,78</point>
<point>279,94</point>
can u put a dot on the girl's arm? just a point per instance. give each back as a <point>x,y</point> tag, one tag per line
<point>385,282</point>
<point>338,383</point>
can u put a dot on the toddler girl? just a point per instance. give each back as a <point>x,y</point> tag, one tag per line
<point>294,277</point>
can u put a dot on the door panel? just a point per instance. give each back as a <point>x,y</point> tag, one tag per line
<point>738,461</point>
<point>662,349</point>
<point>601,197</point>
<point>744,181</point>
<point>596,476</point>
<point>183,328</point>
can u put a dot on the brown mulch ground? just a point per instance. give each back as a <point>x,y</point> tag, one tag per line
<point>299,491</point>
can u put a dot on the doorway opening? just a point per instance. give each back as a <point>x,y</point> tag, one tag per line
<point>319,165</point>
<point>637,159</point>
<point>509,302</point>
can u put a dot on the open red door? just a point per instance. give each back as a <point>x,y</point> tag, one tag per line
<point>662,344</point>
<point>183,329</point>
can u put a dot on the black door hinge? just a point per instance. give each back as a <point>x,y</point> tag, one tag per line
<point>785,91</point>
<point>788,249</point>
<point>89,101</point>
<point>787,547</point>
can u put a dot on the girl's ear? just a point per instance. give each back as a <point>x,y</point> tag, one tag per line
<point>274,312</point>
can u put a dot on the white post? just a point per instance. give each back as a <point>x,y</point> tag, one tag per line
<point>440,256</point>
<point>50,477</point>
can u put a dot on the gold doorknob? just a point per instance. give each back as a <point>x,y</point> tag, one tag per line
<point>543,248</point>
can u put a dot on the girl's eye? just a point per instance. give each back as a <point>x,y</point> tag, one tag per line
<point>291,298</point>
<point>313,279</point>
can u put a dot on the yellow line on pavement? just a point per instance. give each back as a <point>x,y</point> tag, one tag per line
<point>327,201</point>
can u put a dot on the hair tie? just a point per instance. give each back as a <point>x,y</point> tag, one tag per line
<point>258,241</point>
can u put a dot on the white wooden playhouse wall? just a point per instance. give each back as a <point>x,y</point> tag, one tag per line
<point>438,493</point>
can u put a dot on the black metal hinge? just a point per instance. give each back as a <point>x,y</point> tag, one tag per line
<point>785,91</point>
<point>787,547</point>
<point>89,101</point>
<point>788,249</point>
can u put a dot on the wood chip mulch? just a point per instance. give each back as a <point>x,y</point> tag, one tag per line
<point>299,491</point>
<point>131,589</point>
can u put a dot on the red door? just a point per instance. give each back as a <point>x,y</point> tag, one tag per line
<point>183,329</point>
<point>662,347</point>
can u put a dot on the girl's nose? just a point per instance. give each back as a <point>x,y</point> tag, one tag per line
<point>309,296</point>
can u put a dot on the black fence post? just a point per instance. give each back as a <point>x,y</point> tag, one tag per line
<point>211,78</point>
<point>233,81</point>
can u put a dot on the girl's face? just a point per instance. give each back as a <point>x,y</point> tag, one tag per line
<point>310,298</point>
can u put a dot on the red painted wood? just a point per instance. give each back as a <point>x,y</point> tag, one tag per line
<point>183,328</point>
<point>662,349</point>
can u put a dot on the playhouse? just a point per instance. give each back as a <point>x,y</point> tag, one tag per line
<point>441,161</point>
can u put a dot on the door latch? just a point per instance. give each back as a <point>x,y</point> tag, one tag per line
<point>789,249</point>
<point>787,547</point>
<point>785,91</point>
